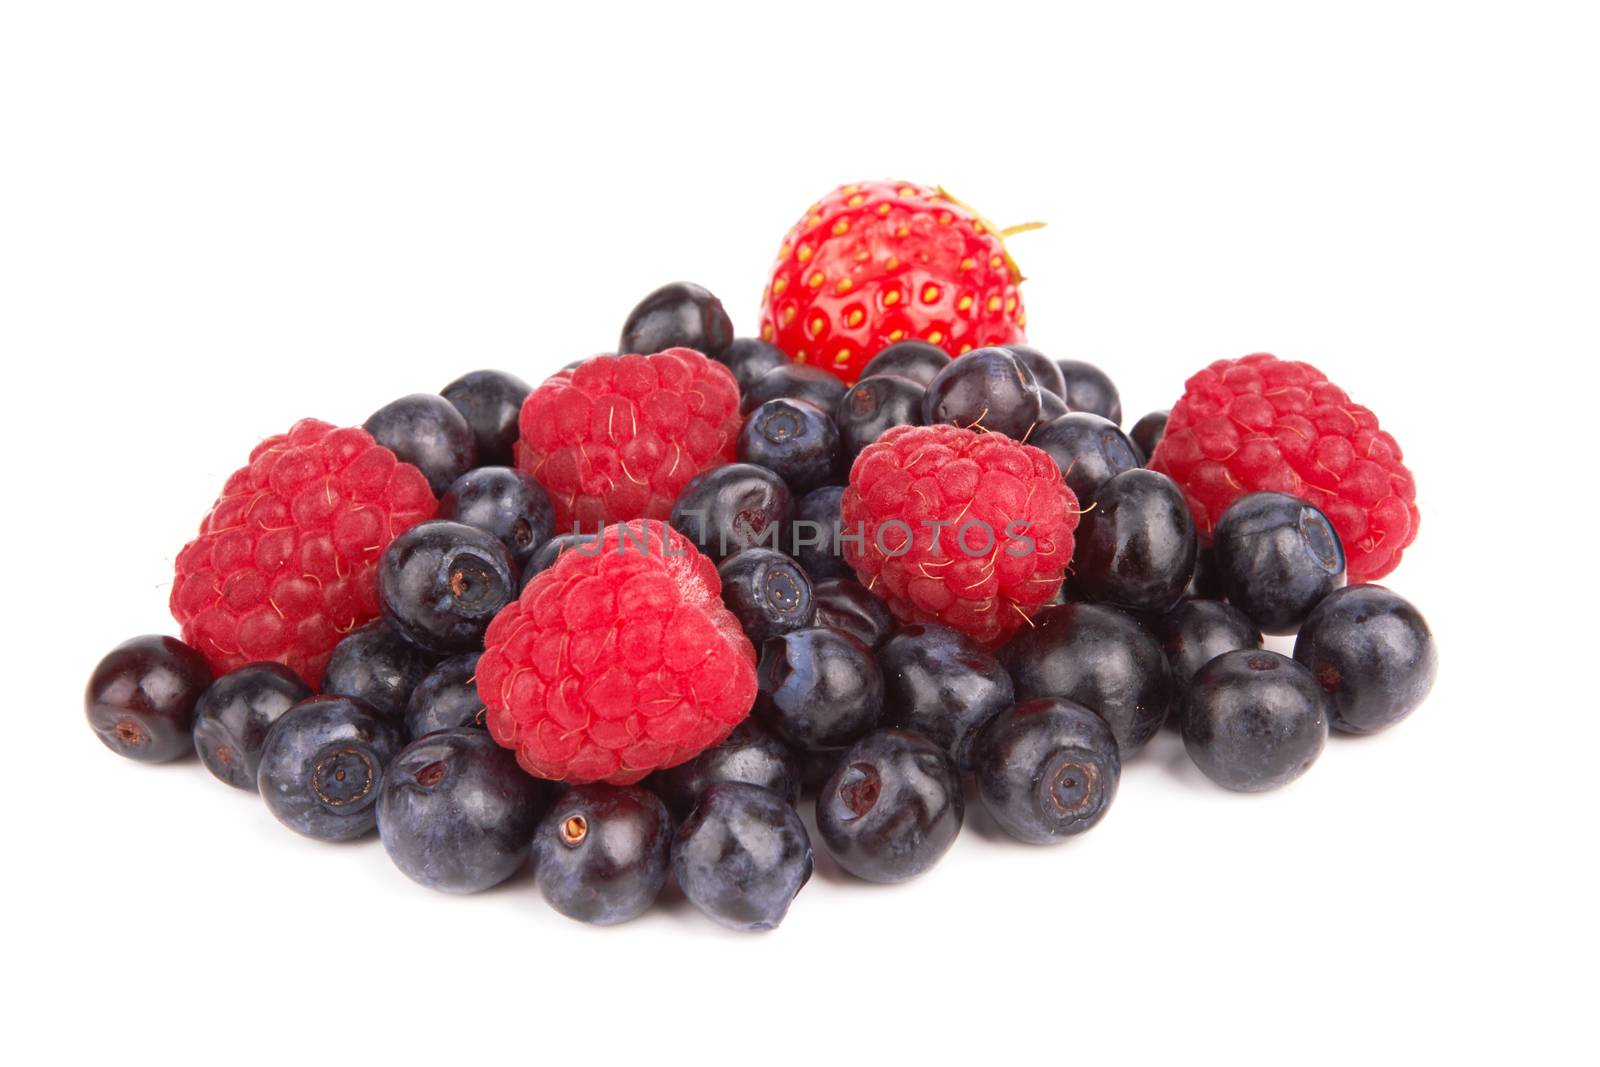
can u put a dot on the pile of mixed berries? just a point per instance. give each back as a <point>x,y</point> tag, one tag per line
<point>620,623</point>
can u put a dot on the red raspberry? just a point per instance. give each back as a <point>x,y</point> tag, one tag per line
<point>620,436</point>
<point>619,659</point>
<point>286,562</point>
<point>1262,423</point>
<point>977,572</point>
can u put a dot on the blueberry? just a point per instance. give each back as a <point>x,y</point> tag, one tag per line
<point>490,401</point>
<point>819,688</point>
<point>1089,389</point>
<point>917,360</point>
<point>892,807</point>
<point>447,698</point>
<point>1047,769</point>
<point>378,666</point>
<point>441,583</point>
<point>733,507</point>
<point>989,389</point>
<point>322,766</point>
<point>750,754</point>
<point>816,768</point>
<point>427,431</point>
<point>1278,557</point>
<point>602,853</point>
<point>844,604</point>
<point>1051,408</point>
<point>1372,653</point>
<point>456,813</point>
<point>141,698</point>
<point>231,719</point>
<point>796,381</point>
<point>742,856</point>
<point>872,406</point>
<point>1147,433</point>
<point>1198,631</point>
<point>1046,373</point>
<point>795,440</point>
<point>504,502</point>
<point>767,592</point>
<point>1253,720</point>
<point>1099,657</point>
<point>815,534</point>
<point>1135,543</point>
<point>678,315</point>
<point>749,358</point>
<point>942,684</point>
<point>1088,449</point>
<point>544,557</point>
<point>1206,583</point>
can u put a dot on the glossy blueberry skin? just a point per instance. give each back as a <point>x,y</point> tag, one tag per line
<point>1147,433</point>
<point>1047,770</point>
<point>943,685</point>
<point>141,698</point>
<point>844,604</point>
<point>677,315</point>
<point>1135,543</point>
<point>1090,389</point>
<point>322,767</point>
<point>378,666</point>
<point>231,719</point>
<point>742,856</point>
<point>544,557</point>
<point>603,852</point>
<point>441,583</point>
<point>874,405</point>
<point>426,430</point>
<point>751,753</point>
<point>1046,373</point>
<point>503,502</point>
<point>988,388</point>
<point>447,698</point>
<point>750,358</point>
<point>456,813</point>
<point>1278,557</point>
<point>814,534</point>
<point>1253,720</point>
<point>1088,449</point>
<point>819,688</point>
<point>796,381</point>
<point>917,360</point>
<point>1372,652</point>
<point>767,592</point>
<point>734,507</point>
<point>892,807</point>
<point>1097,656</point>
<point>490,401</point>
<point>795,440</point>
<point>1198,631</point>
<point>1051,408</point>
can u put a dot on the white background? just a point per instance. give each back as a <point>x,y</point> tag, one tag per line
<point>218,218</point>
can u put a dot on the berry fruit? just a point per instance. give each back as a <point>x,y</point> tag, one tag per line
<point>427,431</point>
<point>603,852</point>
<point>943,685</point>
<point>546,554</point>
<point>1088,450</point>
<point>734,507</point>
<point>815,534</point>
<point>232,718</point>
<point>844,604</point>
<point>1146,433</point>
<point>1045,373</point>
<point>322,767</point>
<point>819,688</point>
<point>767,592</point>
<point>990,389</point>
<point>1088,388</point>
<point>1277,558</point>
<point>794,381</point>
<point>1046,770</point>
<point>490,401</point>
<point>750,358</point>
<point>795,440</point>
<point>141,698</point>
<point>378,666</point>
<point>1198,631</point>
<point>742,856</point>
<point>916,360</point>
<point>1253,720</point>
<point>504,502</point>
<point>872,406</point>
<point>1051,408</point>
<point>447,698</point>
<point>1135,543</point>
<point>750,754</point>
<point>892,807</point>
<point>678,315</point>
<point>442,583</point>
<point>1372,653</point>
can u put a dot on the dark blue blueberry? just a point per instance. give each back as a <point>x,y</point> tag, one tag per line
<point>322,767</point>
<point>1088,449</point>
<point>544,557</point>
<point>742,856</point>
<point>816,768</point>
<point>232,718</point>
<point>819,688</point>
<point>1046,373</point>
<point>987,389</point>
<point>795,440</point>
<point>1097,656</point>
<point>1278,557</point>
<point>797,381</point>
<point>1051,408</point>
<point>734,507</point>
<point>141,698</point>
<point>1135,543</point>
<point>1090,389</point>
<point>426,430</point>
<point>917,360</point>
<point>1254,720</point>
<point>749,754</point>
<point>1147,433</point>
<point>815,534</point>
<point>677,315</point>
<point>942,684</point>
<point>767,592</point>
<point>1206,584</point>
<point>602,853</point>
<point>456,813</point>
<point>892,807</point>
<point>447,698</point>
<point>844,604</point>
<point>1372,653</point>
<point>1047,769</point>
<point>490,401</point>
<point>750,358</point>
<point>504,502</point>
<point>377,665</point>
<point>442,583</point>
<point>872,406</point>
<point>1198,631</point>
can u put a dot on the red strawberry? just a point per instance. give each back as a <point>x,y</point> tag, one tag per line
<point>873,263</point>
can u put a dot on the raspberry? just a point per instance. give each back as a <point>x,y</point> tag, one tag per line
<point>936,520</point>
<point>286,562</point>
<point>619,659</point>
<point>619,436</point>
<point>1262,423</point>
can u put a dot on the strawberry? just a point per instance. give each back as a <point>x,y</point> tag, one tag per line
<point>873,263</point>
